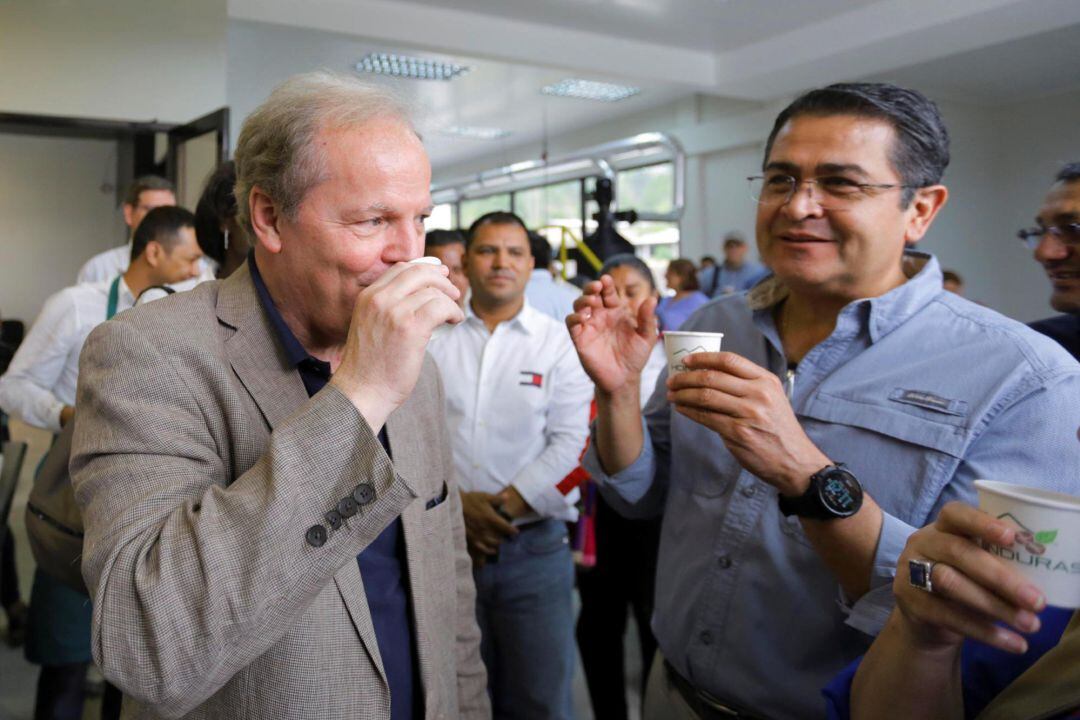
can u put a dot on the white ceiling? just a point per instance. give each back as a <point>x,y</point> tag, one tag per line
<point>985,51</point>
<point>493,94</point>
<point>714,25</point>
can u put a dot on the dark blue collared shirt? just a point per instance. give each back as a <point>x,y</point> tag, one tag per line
<point>382,563</point>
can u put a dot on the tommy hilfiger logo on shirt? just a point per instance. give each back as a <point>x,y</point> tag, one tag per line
<point>531,379</point>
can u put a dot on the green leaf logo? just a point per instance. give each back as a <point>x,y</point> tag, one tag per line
<point>1045,537</point>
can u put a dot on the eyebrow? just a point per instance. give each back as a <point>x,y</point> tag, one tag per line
<point>822,169</point>
<point>1060,217</point>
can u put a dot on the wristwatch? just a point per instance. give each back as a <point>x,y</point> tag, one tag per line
<point>833,493</point>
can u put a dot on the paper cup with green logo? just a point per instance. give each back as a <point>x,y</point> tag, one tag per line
<point>680,344</point>
<point>1047,547</point>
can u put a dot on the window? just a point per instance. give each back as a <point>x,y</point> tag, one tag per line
<point>442,218</point>
<point>646,189</point>
<point>470,210</point>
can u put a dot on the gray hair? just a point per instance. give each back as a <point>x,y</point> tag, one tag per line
<point>276,150</point>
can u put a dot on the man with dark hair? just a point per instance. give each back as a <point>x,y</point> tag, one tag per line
<point>544,291</point>
<point>517,405</point>
<point>735,274</point>
<point>952,281</point>
<point>449,247</point>
<point>143,195</point>
<point>1055,241</point>
<point>39,389</point>
<point>853,399</point>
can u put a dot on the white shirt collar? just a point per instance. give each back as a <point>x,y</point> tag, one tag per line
<point>525,320</point>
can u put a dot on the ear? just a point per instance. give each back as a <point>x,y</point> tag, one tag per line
<point>532,262</point>
<point>129,214</point>
<point>265,218</point>
<point>154,253</point>
<point>923,209</point>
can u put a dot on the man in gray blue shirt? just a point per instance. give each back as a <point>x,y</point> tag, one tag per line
<point>855,397</point>
<point>735,274</point>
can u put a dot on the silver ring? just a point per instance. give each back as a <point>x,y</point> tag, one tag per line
<point>919,572</point>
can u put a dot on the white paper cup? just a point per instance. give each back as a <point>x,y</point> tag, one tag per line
<point>426,260</point>
<point>1047,547</point>
<point>680,344</point>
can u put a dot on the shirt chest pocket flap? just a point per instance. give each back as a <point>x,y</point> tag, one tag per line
<point>910,448</point>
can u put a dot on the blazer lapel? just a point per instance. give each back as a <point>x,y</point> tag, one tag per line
<point>255,353</point>
<point>259,361</point>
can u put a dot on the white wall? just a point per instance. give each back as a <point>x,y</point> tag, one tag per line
<point>118,59</point>
<point>1003,160</point>
<point>53,215</point>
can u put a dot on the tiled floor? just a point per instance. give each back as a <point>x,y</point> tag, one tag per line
<point>18,678</point>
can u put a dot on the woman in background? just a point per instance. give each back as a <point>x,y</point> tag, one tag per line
<point>682,278</point>
<point>619,575</point>
<point>219,236</point>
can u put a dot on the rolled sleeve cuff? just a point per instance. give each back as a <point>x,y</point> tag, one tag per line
<point>870,612</point>
<point>633,481</point>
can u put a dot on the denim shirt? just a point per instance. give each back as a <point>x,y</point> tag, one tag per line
<point>919,392</point>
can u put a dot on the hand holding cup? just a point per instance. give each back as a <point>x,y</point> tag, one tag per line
<point>392,322</point>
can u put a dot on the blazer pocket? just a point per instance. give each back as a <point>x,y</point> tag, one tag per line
<point>438,499</point>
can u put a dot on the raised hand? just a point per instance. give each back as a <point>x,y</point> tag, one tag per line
<point>391,325</point>
<point>612,343</point>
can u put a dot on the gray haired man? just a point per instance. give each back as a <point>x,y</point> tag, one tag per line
<point>272,524</point>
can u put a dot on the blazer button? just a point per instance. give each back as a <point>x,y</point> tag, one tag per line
<point>316,536</point>
<point>334,518</point>
<point>346,507</point>
<point>364,494</point>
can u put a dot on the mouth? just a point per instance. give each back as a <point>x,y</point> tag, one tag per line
<point>803,239</point>
<point>1063,276</point>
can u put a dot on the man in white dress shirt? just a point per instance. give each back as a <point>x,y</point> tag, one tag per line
<point>143,195</point>
<point>39,385</point>
<point>517,409</point>
<point>544,292</point>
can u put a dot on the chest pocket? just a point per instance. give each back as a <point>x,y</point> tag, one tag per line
<point>906,454</point>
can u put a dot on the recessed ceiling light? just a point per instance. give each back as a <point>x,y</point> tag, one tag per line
<point>475,133</point>
<point>413,68</point>
<point>590,90</point>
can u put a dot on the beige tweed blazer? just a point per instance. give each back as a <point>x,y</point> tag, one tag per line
<point>200,463</point>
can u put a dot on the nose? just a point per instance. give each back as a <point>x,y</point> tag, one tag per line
<point>404,242</point>
<point>802,203</point>
<point>1050,248</point>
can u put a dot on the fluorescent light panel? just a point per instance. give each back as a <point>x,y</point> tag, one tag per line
<point>590,90</point>
<point>412,68</point>
<point>475,133</point>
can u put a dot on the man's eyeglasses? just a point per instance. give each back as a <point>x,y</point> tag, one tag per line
<point>832,192</point>
<point>1066,233</point>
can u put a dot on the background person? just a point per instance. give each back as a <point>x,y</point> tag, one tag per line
<point>517,407</point>
<point>143,195</point>
<point>952,282</point>
<point>545,292</point>
<point>39,389</point>
<point>674,310</point>
<point>1055,240</point>
<point>449,247</point>
<point>736,273</point>
<point>623,576</point>
<point>224,243</point>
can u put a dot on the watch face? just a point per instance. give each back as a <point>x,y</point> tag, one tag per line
<point>841,494</point>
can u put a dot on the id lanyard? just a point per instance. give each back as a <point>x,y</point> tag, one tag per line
<point>114,298</point>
